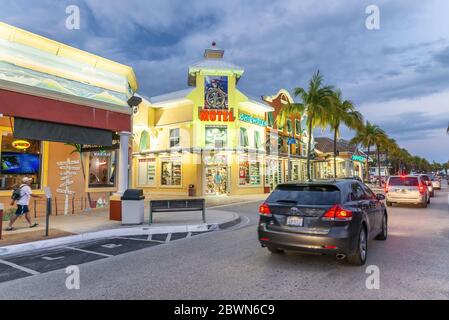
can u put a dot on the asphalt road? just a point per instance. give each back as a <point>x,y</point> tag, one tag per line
<point>230,264</point>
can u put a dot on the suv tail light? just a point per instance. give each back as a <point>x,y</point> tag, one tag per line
<point>386,187</point>
<point>422,188</point>
<point>264,210</point>
<point>337,213</point>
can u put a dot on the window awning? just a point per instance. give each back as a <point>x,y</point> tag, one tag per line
<point>49,131</point>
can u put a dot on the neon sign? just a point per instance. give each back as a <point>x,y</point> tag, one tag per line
<point>20,144</point>
<point>358,158</point>
<point>250,119</point>
<point>216,115</point>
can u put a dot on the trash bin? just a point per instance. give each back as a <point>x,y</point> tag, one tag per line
<point>192,190</point>
<point>132,206</point>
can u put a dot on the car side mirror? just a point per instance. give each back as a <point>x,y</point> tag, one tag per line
<point>380,196</point>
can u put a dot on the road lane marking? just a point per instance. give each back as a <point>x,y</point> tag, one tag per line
<point>92,252</point>
<point>111,245</point>
<point>52,259</point>
<point>168,238</point>
<point>240,225</point>
<point>16,266</point>
<point>144,240</point>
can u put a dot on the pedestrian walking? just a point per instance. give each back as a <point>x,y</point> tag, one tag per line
<point>22,195</point>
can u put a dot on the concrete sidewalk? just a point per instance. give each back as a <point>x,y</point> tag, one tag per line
<point>95,223</point>
<point>98,219</point>
<point>77,231</point>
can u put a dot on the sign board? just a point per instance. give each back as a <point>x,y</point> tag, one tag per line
<point>68,170</point>
<point>47,192</point>
<point>216,115</point>
<point>358,158</point>
<point>291,141</point>
<point>253,120</point>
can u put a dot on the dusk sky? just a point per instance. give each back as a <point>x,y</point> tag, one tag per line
<point>398,76</point>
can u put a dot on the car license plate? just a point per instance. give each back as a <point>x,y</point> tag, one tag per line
<point>295,221</point>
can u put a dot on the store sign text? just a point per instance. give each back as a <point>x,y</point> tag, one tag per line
<point>250,119</point>
<point>216,115</point>
<point>358,158</point>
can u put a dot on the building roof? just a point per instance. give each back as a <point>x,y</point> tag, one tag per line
<point>219,64</point>
<point>43,53</point>
<point>326,145</point>
<point>213,63</point>
<point>170,96</point>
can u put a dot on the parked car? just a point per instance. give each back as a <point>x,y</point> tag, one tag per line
<point>429,184</point>
<point>436,181</point>
<point>353,178</point>
<point>407,189</point>
<point>334,217</point>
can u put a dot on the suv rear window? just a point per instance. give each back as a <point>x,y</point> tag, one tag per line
<point>406,181</point>
<point>308,195</point>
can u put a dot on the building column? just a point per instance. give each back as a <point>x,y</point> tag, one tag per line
<point>123,163</point>
<point>115,204</point>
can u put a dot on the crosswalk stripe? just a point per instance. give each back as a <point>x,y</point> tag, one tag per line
<point>16,266</point>
<point>92,252</point>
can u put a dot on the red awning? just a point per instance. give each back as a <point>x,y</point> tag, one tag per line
<point>27,106</point>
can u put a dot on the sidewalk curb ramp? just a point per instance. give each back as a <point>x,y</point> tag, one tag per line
<point>118,232</point>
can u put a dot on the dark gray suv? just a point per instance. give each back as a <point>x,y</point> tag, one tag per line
<point>335,217</point>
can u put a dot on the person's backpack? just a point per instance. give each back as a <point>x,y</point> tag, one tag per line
<point>16,193</point>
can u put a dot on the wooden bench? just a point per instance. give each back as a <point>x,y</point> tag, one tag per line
<point>177,205</point>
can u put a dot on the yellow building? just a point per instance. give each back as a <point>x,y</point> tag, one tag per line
<point>211,135</point>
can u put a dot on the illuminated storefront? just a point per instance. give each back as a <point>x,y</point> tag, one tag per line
<point>286,146</point>
<point>349,160</point>
<point>210,136</point>
<point>59,103</point>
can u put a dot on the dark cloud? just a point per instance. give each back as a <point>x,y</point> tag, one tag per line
<point>279,43</point>
<point>443,57</point>
<point>415,125</point>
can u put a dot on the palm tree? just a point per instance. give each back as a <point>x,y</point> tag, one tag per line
<point>367,136</point>
<point>342,112</point>
<point>390,146</point>
<point>315,104</point>
<point>380,140</point>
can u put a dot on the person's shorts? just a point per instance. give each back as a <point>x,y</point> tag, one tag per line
<point>22,209</point>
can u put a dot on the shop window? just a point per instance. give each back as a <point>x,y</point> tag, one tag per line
<point>147,172</point>
<point>19,158</point>
<point>297,127</point>
<point>244,137</point>
<point>270,118</point>
<point>273,139</point>
<point>249,171</point>
<point>102,166</point>
<point>257,140</point>
<point>304,149</point>
<point>174,138</point>
<point>144,143</point>
<point>171,172</point>
<point>216,136</point>
<point>289,126</point>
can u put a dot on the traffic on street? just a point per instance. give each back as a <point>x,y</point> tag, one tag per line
<point>411,264</point>
<point>217,159</point>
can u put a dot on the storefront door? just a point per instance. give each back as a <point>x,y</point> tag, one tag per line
<point>273,173</point>
<point>216,180</point>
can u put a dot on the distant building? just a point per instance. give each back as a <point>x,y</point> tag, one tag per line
<point>350,160</point>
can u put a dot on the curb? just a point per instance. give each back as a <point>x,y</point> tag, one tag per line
<point>126,231</point>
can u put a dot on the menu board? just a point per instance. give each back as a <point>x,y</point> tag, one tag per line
<point>147,172</point>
